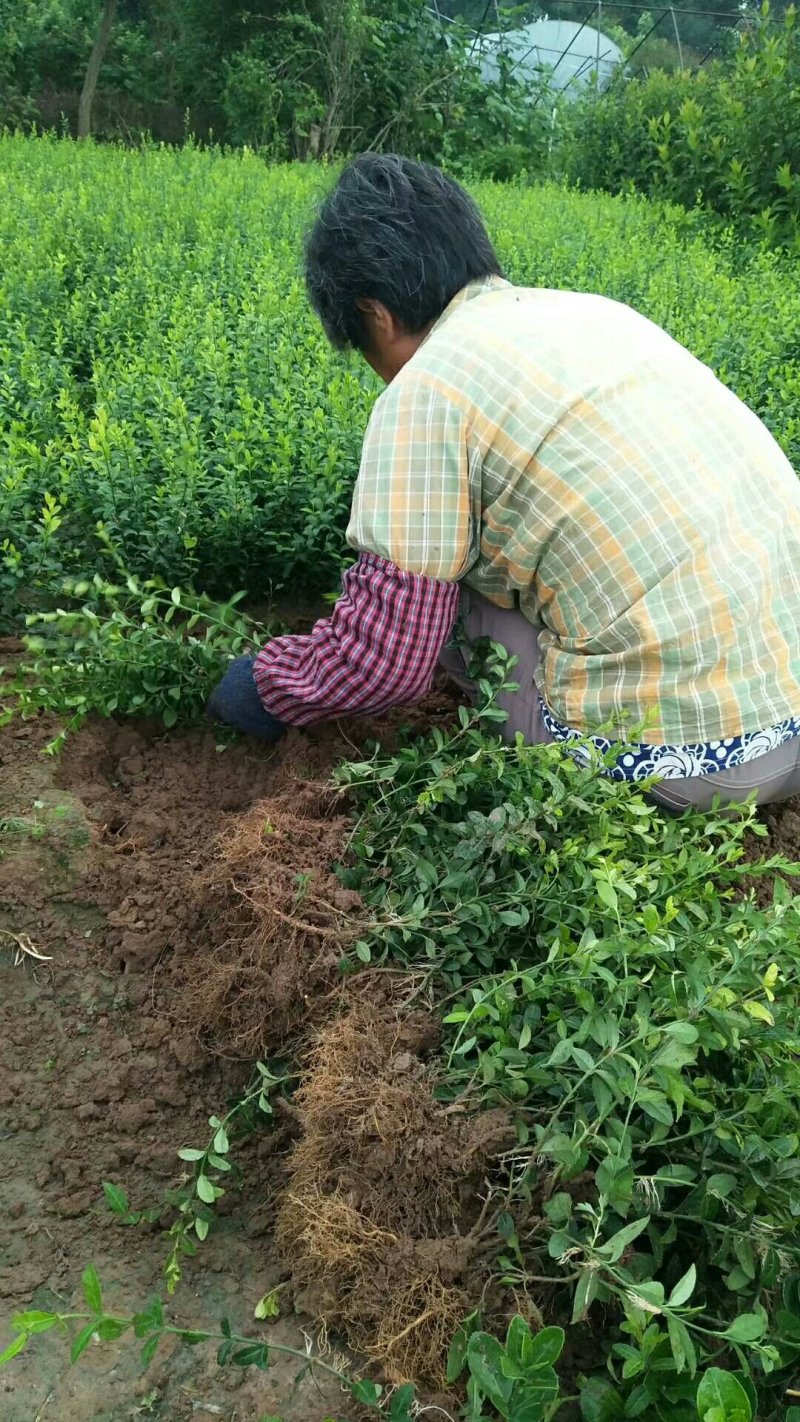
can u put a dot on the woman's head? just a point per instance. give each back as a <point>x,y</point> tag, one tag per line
<point>392,245</point>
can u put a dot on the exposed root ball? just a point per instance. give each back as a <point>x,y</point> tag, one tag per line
<point>380,1222</point>
<point>273,920</point>
<point>387,1293</point>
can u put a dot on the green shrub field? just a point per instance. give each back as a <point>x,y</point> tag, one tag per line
<point>163,377</point>
<point>723,138</point>
<point>621,988</point>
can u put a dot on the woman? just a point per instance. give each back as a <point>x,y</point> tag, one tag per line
<point>572,479</point>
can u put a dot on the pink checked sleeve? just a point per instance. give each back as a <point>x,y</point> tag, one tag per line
<point>379,648</point>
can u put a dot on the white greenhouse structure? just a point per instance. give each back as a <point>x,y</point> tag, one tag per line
<point>569,55</point>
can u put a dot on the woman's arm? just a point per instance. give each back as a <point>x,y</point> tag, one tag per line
<point>378,649</point>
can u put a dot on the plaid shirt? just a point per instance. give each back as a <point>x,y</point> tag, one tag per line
<point>558,451</point>
<point>379,649</point>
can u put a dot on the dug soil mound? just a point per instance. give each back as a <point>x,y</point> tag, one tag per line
<point>381,1223</point>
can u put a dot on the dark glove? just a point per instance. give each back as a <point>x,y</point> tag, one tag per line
<point>235,700</point>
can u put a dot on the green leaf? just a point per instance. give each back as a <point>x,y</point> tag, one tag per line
<point>633,1365</point>
<point>116,1198</point>
<point>600,1402</point>
<point>720,1390</point>
<point>219,1162</point>
<point>81,1341</point>
<point>585,1294</point>
<point>530,1398</point>
<point>639,1403</point>
<point>721,1185</point>
<point>401,1403</point>
<point>650,918</point>
<point>189,1153</point>
<point>205,1189</point>
<point>34,1321</point>
<point>519,1340</point>
<point>684,1288</point>
<point>745,1254</point>
<point>612,1249</point>
<point>91,1289</point>
<point>148,1350</point>
<point>747,1328</point>
<point>682,1032</point>
<point>366,1391</point>
<point>558,1243</point>
<point>14,1347</point>
<point>149,1318</point>
<point>252,1355</point>
<point>110,1328</point>
<point>547,1346</point>
<point>675,1175</point>
<point>465,1046</point>
<point>559,1208</point>
<point>674,1054</point>
<point>654,1104</point>
<point>457,1354</point>
<point>485,1362</point>
<point>607,894</point>
<point>603,1096</point>
<point>221,1143</point>
<point>615,1180</point>
<point>647,1294</point>
<point>683,1350</point>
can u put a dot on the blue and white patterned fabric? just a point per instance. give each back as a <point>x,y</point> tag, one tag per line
<point>638,762</point>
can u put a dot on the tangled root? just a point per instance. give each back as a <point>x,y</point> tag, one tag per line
<point>387,1293</point>
<point>274,921</point>
<point>379,1224</point>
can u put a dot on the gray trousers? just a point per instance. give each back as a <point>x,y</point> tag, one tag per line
<point>775,776</point>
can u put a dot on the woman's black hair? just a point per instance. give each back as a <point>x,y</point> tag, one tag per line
<point>399,232</point>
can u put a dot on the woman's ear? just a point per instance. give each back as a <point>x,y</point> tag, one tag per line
<point>379,319</point>
<point>388,345</point>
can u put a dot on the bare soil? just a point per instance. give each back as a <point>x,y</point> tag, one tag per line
<point>783,823</point>
<point>114,1051</point>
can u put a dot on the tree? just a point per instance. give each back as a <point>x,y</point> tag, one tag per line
<point>94,66</point>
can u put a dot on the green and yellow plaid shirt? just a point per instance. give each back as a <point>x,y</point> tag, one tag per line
<point>559,452</point>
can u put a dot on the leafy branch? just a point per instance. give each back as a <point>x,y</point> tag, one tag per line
<point>131,649</point>
<point>196,1198</point>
